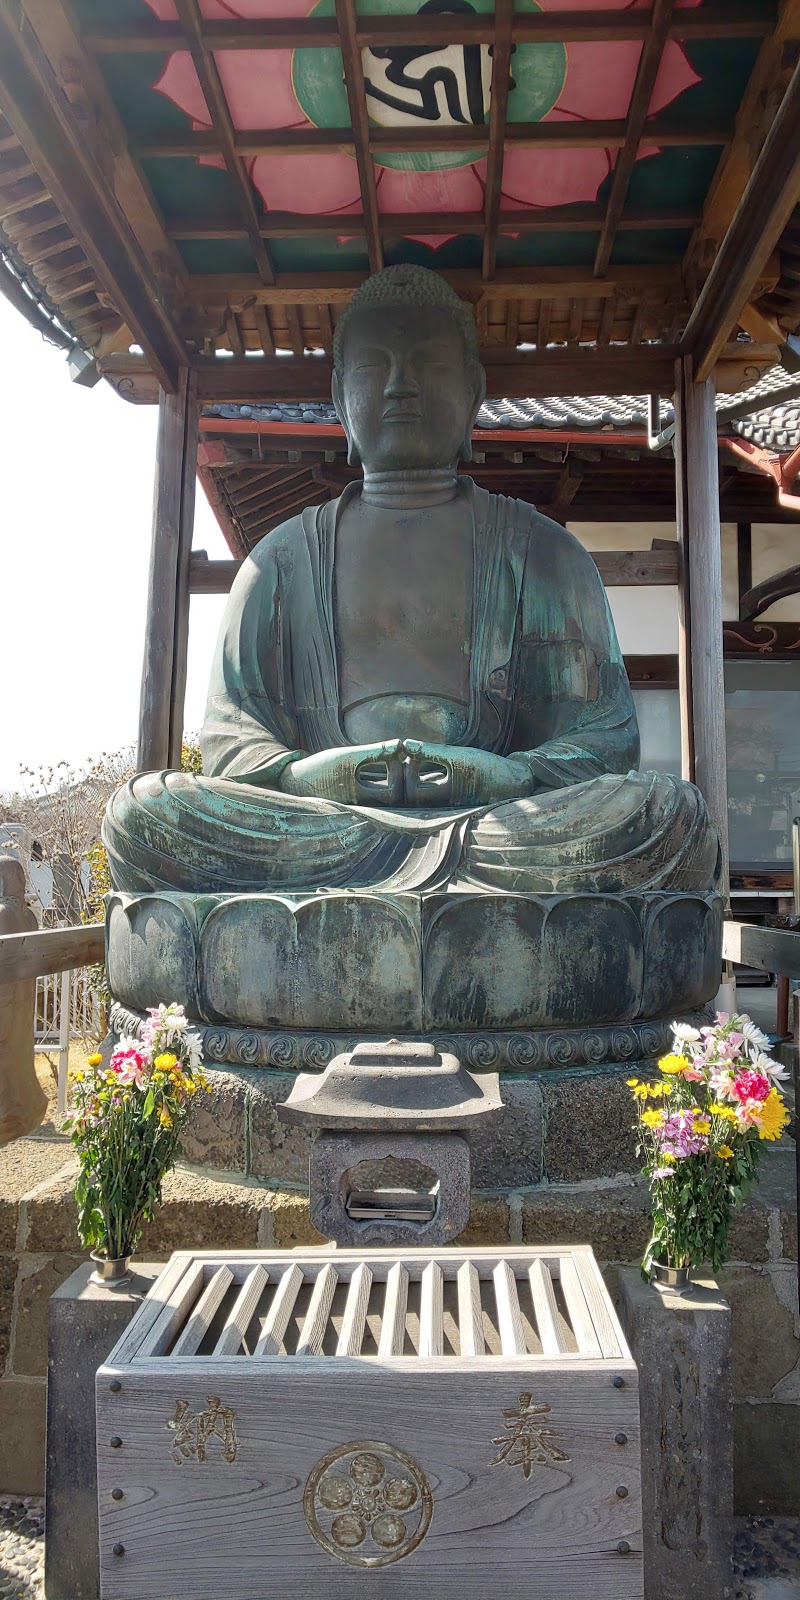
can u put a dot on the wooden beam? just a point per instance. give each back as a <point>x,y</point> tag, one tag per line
<point>701,680</point>
<point>224,131</point>
<point>498,119</point>
<point>713,21</point>
<point>34,955</point>
<point>611,370</point>
<point>625,569</point>
<point>644,84</point>
<point>521,135</point>
<point>46,126</point>
<point>167,628</point>
<point>761,216</point>
<point>761,596</point>
<point>770,949</point>
<point>357,104</point>
<point>617,568</point>
<point>662,282</point>
<point>571,219</point>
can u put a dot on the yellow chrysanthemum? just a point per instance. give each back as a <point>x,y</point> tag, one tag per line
<point>166,1061</point>
<point>774,1116</point>
<point>652,1119</point>
<point>656,1091</point>
<point>673,1064</point>
<point>79,1076</point>
<point>640,1092</point>
<point>668,1158</point>
<point>724,1151</point>
<point>164,1118</point>
<point>702,1125</point>
<point>726,1112</point>
<point>632,1083</point>
<point>95,1060</point>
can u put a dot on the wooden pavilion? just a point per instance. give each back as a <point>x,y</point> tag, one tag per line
<point>190,192</point>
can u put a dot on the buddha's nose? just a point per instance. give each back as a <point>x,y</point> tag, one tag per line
<point>401,384</point>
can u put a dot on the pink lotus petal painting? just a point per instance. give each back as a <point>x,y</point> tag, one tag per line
<point>419,86</point>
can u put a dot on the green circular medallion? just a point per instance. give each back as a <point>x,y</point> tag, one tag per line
<point>411,86</point>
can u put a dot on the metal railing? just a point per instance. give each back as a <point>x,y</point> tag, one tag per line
<point>84,1009</point>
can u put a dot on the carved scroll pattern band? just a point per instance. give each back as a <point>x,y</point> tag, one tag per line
<point>298,1051</point>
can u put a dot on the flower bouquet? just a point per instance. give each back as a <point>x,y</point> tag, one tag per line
<point>126,1125</point>
<point>701,1128</point>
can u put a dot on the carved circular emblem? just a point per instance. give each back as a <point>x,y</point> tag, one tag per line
<point>419,86</point>
<point>368,1504</point>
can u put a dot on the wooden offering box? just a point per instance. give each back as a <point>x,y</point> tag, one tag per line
<point>329,1425</point>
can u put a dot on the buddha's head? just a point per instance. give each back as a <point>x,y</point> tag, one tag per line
<point>407,383</point>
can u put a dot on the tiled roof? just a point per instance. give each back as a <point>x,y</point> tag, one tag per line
<point>776,426</point>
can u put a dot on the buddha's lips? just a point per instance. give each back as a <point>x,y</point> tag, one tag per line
<point>260,92</point>
<point>402,416</point>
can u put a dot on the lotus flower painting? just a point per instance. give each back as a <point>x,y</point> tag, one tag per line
<point>423,86</point>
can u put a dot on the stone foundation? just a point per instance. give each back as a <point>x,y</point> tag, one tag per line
<point>39,1250</point>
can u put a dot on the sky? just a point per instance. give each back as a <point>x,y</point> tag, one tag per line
<point>77,493</point>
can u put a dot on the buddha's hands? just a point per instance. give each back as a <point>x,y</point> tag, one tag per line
<point>355,775</point>
<point>408,773</point>
<point>443,775</point>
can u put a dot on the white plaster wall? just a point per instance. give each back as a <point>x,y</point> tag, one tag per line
<point>646,619</point>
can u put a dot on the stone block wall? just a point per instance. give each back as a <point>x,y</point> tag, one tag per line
<point>39,1249</point>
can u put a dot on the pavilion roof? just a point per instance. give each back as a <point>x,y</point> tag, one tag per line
<point>204,181</point>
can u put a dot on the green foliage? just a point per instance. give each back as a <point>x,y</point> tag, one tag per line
<point>126,1127</point>
<point>191,758</point>
<point>701,1127</point>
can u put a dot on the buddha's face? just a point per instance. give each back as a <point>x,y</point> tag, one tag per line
<point>408,396</point>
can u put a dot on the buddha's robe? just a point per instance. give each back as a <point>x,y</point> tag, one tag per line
<point>546,680</point>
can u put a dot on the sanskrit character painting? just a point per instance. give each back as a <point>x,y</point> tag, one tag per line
<point>423,86</point>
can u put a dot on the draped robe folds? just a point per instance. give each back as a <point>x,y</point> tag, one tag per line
<point>547,681</point>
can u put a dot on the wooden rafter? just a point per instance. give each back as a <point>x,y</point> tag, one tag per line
<point>609,135</point>
<point>82,82</point>
<point>766,205</point>
<point>224,131</point>
<point>45,124</point>
<point>758,105</point>
<point>498,118</point>
<point>357,103</point>
<point>712,21</point>
<point>644,84</point>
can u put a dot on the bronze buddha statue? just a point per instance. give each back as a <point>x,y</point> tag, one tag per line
<point>417,685</point>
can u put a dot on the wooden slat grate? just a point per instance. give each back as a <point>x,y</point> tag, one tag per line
<point>532,1305</point>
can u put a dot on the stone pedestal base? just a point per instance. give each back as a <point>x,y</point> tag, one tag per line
<point>388,964</point>
<point>682,1347</point>
<point>86,1320</point>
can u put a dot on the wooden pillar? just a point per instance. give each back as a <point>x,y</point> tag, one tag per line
<point>700,664</point>
<point>167,628</point>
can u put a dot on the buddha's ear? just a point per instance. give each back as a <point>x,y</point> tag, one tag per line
<point>465,453</point>
<point>353,457</point>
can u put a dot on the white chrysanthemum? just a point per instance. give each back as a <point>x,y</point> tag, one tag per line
<point>753,1035</point>
<point>771,1069</point>
<point>193,1050</point>
<point>683,1033</point>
